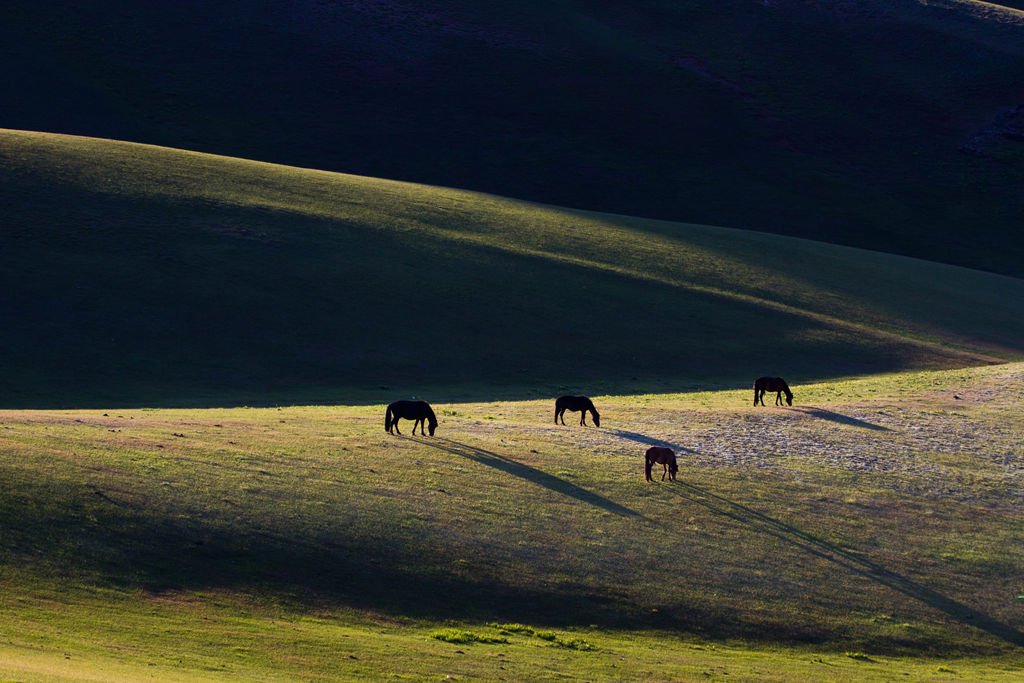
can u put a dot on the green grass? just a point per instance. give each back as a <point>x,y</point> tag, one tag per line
<point>870,531</point>
<point>151,276</point>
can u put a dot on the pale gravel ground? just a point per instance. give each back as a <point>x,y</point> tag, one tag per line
<point>964,445</point>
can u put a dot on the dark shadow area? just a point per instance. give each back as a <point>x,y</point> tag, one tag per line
<point>531,474</point>
<point>848,560</point>
<point>838,417</point>
<point>98,538</point>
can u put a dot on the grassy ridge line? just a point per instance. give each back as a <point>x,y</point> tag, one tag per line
<point>684,257</point>
<point>987,10</point>
<point>772,139</point>
<point>890,334</point>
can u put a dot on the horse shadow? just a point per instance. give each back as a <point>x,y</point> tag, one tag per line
<point>650,441</point>
<point>847,559</point>
<point>532,474</point>
<point>839,417</point>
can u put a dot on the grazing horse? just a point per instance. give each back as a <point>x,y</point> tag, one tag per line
<point>580,404</point>
<point>664,456</point>
<point>776,384</point>
<point>419,411</point>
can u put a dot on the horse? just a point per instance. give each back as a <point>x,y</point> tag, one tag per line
<point>664,456</point>
<point>419,411</point>
<point>776,384</point>
<point>580,404</point>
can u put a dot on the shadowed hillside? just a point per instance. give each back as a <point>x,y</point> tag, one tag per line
<point>891,125</point>
<point>139,274</point>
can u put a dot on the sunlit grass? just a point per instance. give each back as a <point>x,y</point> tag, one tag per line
<point>864,540</point>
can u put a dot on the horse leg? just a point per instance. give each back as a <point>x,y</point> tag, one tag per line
<point>778,398</point>
<point>395,425</point>
<point>419,421</point>
<point>583,418</point>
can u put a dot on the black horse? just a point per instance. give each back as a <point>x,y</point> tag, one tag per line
<point>580,404</point>
<point>663,456</point>
<point>776,384</point>
<point>419,411</point>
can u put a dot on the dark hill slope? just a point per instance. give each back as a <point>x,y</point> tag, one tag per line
<point>889,124</point>
<point>134,274</point>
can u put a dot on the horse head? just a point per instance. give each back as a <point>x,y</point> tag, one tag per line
<point>597,418</point>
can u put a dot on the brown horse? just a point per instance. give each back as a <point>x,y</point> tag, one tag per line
<point>663,456</point>
<point>580,404</point>
<point>776,384</point>
<point>420,411</point>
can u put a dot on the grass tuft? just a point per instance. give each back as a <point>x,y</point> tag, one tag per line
<point>452,635</point>
<point>515,628</point>
<point>860,656</point>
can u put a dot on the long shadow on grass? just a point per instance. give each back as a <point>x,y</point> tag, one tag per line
<point>847,559</point>
<point>838,417</point>
<point>532,474</point>
<point>650,440</point>
<point>79,534</point>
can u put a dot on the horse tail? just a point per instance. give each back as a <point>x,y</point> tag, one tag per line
<point>647,468</point>
<point>755,393</point>
<point>387,420</point>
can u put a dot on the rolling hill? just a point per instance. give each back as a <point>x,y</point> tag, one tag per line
<point>144,275</point>
<point>889,125</point>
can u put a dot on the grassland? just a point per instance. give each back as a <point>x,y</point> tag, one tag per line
<point>871,531</point>
<point>195,482</point>
<point>148,276</point>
